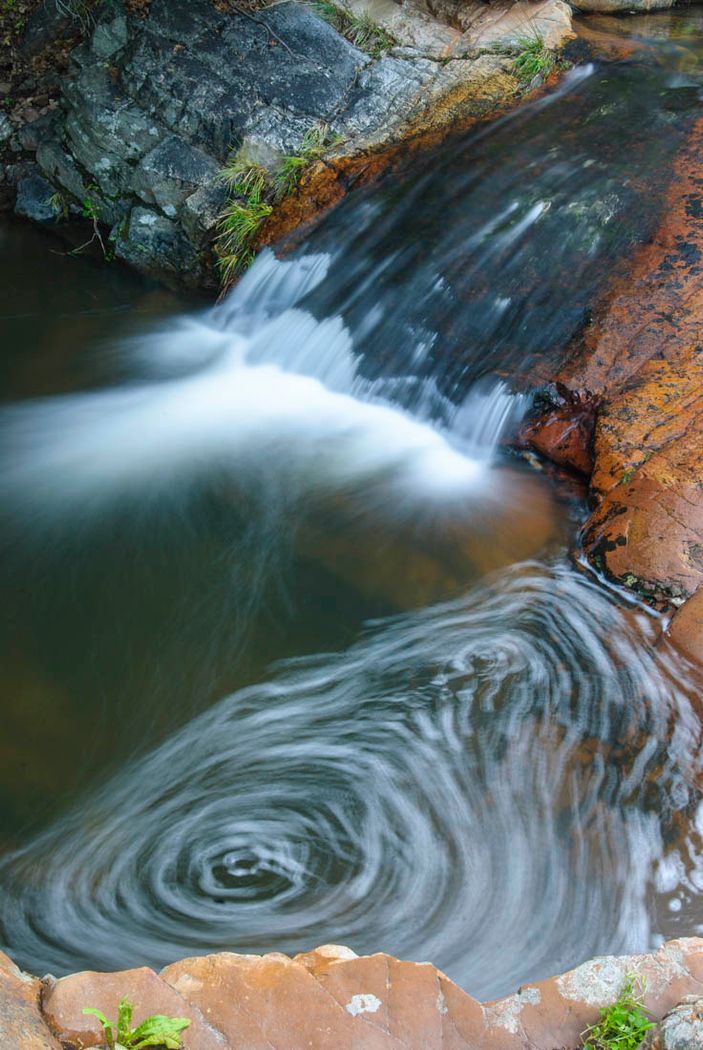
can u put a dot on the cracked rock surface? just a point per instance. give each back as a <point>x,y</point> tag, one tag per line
<point>642,363</point>
<point>155,105</point>
<point>331,999</point>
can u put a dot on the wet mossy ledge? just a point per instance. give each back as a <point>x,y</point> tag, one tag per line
<point>189,134</point>
<point>332,999</point>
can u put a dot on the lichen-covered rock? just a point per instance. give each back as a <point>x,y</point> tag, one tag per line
<point>681,1029</point>
<point>154,107</point>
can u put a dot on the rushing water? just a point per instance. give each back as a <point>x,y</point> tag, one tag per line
<point>293,652</point>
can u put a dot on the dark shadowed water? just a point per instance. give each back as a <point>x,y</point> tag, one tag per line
<point>292,651</point>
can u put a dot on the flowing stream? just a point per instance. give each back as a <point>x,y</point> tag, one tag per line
<point>294,651</point>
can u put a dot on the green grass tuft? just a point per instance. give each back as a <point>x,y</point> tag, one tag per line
<point>254,190</point>
<point>534,59</point>
<point>623,1025</point>
<point>359,30</point>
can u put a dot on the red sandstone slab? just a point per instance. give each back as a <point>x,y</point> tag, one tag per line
<point>65,999</point>
<point>22,1026</point>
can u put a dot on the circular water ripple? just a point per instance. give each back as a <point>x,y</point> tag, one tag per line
<point>494,784</point>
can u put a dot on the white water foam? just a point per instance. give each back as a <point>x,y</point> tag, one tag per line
<point>270,393</point>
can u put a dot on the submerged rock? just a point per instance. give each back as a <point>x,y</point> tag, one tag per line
<point>155,106</point>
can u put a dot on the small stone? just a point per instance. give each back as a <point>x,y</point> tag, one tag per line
<point>34,199</point>
<point>6,128</point>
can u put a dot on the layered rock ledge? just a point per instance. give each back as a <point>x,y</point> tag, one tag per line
<point>158,100</point>
<point>330,999</point>
<point>630,415</point>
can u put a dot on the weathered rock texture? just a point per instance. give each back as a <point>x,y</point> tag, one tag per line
<point>330,999</point>
<point>681,1029</point>
<point>686,629</point>
<point>626,6</point>
<point>21,1022</point>
<point>642,360</point>
<point>154,106</point>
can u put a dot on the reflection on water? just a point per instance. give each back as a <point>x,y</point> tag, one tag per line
<point>498,772</point>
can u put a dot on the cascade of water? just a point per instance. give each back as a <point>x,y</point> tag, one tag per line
<point>270,391</point>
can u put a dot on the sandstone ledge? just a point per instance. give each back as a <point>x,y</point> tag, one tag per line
<point>631,415</point>
<point>330,999</point>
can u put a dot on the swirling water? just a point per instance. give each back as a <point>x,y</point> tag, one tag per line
<point>293,652</point>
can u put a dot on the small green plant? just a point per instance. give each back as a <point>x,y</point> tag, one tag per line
<point>157,1030</point>
<point>623,1025</point>
<point>534,59</point>
<point>360,30</point>
<point>90,209</point>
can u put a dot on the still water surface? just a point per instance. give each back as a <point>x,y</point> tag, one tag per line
<point>292,650</point>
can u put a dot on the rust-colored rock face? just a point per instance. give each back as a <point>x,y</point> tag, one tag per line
<point>21,1024</point>
<point>686,629</point>
<point>65,999</point>
<point>330,999</point>
<point>642,358</point>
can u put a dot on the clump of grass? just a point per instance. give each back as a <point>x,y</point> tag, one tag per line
<point>255,189</point>
<point>315,144</point>
<point>623,1025</point>
<point>249,184</point>
<point>359,30</point>
<point>157,1030</point>
<point>533,60</point>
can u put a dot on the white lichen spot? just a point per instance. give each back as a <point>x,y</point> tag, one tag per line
<point>597,982</point>
<point>506,1012</point>
<point>363,1004</point>
<point>441,1005</point>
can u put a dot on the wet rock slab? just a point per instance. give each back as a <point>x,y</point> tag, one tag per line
<point>642,362</point>
<point>329,999</point>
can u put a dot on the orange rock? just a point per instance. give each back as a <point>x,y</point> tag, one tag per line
<point>686,628</point>
<point>643,359</point>
<point>564,435</point>
<point>21,1024</point>
<point>65,999</point>
<point>330,999</point>
<point>648,531</point>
